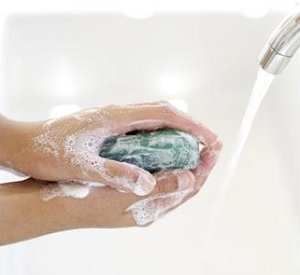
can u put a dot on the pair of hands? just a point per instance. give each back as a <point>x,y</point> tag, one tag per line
<point>67,149</point>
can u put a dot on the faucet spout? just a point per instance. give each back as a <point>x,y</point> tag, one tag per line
<point>281,46</point>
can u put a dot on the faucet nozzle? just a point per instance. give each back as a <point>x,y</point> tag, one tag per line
<point>281,46</point>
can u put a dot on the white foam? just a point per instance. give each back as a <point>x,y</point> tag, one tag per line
<point>83,151</point>
<point>152,208</point>
<point>47,144</point>
<point>49,122</point>
<point>74,190</point>
<point>68,188</point>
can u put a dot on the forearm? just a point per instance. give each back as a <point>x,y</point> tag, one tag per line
<point>14,142</point>
<point>9,141</point>
<point>24,215</point>
<point>4,129</point>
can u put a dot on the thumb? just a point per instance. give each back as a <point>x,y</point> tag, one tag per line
<point>119,175</point>
<point>128,177</point>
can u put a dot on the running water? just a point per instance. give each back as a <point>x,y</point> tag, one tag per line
<point>261,86</point>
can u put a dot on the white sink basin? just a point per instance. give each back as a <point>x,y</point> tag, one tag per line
<point>207,61</point>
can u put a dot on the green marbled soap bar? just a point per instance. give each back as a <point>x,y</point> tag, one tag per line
<point>154,151</point>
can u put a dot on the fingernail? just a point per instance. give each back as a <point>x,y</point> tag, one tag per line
<point>144,184</point>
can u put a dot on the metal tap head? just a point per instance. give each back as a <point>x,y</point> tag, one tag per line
<point>281,46</point>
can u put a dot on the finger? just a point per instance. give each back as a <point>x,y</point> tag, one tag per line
<point>173,181</point>
<point>119,175</point>
<point>128,177</point>
<point>157,115</point>
<point>162,114</point>
<point>171,190</point>
<point>208,158</point>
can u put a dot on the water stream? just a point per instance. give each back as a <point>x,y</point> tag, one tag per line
<point>261,86</point>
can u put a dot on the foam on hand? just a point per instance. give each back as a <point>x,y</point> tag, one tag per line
<point>160,150</point>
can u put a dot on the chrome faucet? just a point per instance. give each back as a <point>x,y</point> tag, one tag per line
<point>281,46</point>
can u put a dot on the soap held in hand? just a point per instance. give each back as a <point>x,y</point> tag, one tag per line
<point>154,151</point>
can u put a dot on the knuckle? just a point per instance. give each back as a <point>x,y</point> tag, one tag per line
<point>111,107</point>
<point>217,145</point>
<point>166,105</point>
<point>166,108</point>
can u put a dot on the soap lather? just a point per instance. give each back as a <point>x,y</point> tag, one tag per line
<point>154,151</point>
